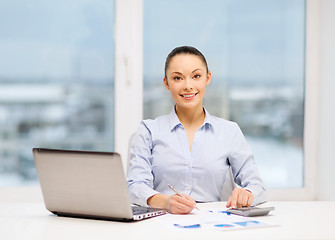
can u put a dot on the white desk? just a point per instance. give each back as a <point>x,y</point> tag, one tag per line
<point>295,220</point>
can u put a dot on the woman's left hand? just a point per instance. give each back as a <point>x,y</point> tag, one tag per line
<point>240,198</point>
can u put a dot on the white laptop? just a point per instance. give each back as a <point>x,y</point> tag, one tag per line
<point>86,184</point>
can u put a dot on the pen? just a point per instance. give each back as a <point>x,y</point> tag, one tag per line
<point>178,193</point>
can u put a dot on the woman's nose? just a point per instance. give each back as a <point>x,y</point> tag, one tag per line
<point>188,84</point>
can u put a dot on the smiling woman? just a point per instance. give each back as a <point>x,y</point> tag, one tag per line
<point>189,136</point>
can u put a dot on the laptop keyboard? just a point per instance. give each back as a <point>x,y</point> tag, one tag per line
<point>140,210</point>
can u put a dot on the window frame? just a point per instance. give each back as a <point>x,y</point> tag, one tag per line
<point>128,90</point>
<point>311,104</point>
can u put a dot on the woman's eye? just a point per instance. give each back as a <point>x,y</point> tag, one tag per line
<point>197,76</point>
<point>177,78</point>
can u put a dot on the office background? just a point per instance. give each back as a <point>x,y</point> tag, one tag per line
<point>77,75</point>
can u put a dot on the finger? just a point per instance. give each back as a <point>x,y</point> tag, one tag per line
<point>234,198</point>
<point>248,204</point>
<point>190,199</point>
<point>233,203</point>
<point>229,202</point>
<point>187,201</point>
<point>184,209</point>
<point>240,198</point>
<point>178,207</point>
<point>245,197</point>
<point>250,199</point>
<point>183,200</point>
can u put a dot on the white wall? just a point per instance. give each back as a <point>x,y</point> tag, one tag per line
<point>326,147</point>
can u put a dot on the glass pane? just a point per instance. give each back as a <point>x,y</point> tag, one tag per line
<point>255,51</point>
<point>56,81</point>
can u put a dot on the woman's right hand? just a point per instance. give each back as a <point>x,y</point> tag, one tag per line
<point>174,204</point>
<point>179,205</point>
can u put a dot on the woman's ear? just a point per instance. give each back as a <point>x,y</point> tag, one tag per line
<point>209,78</point>
<point>166,83</point>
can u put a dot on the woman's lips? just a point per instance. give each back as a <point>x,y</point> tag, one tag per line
<point>188,96</point>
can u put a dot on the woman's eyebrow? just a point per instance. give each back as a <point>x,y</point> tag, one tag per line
<point>192,71</point>
<point>197,70</point>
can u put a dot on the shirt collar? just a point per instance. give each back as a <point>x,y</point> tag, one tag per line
<point>208,119</point>
<point>174,120</point>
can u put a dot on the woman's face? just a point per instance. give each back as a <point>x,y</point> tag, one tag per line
<point>187,79</point>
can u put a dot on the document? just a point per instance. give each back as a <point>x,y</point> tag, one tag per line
<point>215,219</point>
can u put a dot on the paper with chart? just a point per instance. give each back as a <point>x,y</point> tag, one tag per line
<point>214,218</point>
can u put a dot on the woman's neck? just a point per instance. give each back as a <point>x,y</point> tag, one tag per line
<point>191,117</point>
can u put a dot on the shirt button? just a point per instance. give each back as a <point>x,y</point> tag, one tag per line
<point>189,165</point>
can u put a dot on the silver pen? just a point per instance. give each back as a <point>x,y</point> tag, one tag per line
<point>178,193</point>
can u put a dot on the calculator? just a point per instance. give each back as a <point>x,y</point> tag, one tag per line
<point>250,211</point>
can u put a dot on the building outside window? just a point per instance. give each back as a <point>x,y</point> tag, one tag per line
<point>56,81</point>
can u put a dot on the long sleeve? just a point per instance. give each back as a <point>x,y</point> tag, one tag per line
<point>244,168</point>
<point>139,177</point>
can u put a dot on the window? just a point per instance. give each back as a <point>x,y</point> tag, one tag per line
<point>59,87</point>
<point>255,51</point>
<point>56,81</point>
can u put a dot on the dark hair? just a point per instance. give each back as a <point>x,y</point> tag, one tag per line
<point>184,50</point>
